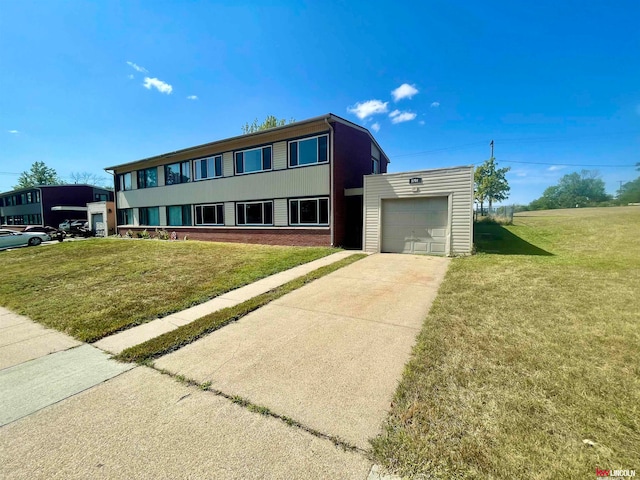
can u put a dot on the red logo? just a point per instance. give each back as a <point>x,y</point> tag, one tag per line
<point>602,473</point>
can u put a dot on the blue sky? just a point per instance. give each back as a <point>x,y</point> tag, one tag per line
<point>556,84</point>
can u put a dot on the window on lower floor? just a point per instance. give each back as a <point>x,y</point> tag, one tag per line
<point>309,211</point>
<point>177,173</point>
<point>149,216</point>
<point>179,215</point>
<point>125,216</point>
<point>210,214</point>
<point>254,213</point>
<point>207,167</point>
<point>256,160</point>
<point>148,177</point>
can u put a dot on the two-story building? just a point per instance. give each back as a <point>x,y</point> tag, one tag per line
<point>299,184</point>
<point>289,185</point>
<point>49,204</point>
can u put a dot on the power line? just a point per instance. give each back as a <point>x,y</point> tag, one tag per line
<point>562,164</point>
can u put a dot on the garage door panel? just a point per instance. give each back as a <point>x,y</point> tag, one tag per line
<point>415,225</point>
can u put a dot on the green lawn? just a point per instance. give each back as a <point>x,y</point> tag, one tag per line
<point>92,288</point>
<point>528,351</point>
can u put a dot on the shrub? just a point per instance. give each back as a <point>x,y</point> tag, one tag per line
<point>162,234</point>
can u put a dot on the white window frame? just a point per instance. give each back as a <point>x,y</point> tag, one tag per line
<point>317,199</point>
<point>317,162</point>
<point>216,205</point>
<point>262,202</point>
<point>261,149</point>
<point>197,169</point>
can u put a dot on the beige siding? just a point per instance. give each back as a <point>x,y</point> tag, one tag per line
<point>280,216</point>
<point>227,164</point>
<point>280,155</point>
<point>455,183</point>
<point>160,176</point>
<point>230,214</point>
<point>295,182</point>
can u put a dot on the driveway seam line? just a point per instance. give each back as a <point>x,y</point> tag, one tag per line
<point>265,411</point>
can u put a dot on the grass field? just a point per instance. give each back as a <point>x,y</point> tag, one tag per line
<point>92,288</point>
<point>528,365</point>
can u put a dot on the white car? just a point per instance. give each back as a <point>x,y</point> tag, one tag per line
<point>11,238</point>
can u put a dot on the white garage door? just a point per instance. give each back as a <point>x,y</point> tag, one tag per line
<point>415,225</point>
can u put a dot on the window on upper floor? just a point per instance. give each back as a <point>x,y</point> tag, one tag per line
<point>204,168</point>
<point>179,215</point>
<point>148,177</point>
<point>254,160</point>
<point>309,211</point>
<point>375,165</point>
<point>149,216</point>
<point>254,213</point>
<point>308,151</point>
<point>210,214</point>
<point>124,181</point>
<point>177,173</point>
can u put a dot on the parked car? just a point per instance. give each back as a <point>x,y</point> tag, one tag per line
<point>11,238</point>
<point>69,225</point>
<point>51,231</point>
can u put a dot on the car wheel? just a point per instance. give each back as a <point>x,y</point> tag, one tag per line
<point>33,241</point>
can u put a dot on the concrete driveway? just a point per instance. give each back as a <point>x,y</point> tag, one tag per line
<point>328,355</point>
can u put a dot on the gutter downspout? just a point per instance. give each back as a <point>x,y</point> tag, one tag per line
<point>331,175</point>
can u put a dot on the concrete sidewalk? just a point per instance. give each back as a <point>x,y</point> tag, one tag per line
<point>329,354</point>
<point>134,336</point>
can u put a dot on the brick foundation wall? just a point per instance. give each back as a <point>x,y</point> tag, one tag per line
<point>284,236</point>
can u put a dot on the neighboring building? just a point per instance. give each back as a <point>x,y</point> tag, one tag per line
<point>102,218</point>
<point>49,204</point>
<point>427,211</point>
<point>299,184</point>
<point>291,185</point>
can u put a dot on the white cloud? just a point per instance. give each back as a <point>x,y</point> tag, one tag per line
<point>159,85</point>
<point>375,127</point>
<point>365,109</point>
<point>398,117</point>
<point>192,97</point>
<point>137,68</point>
<point>435,104</point>
<point>13,132</point>
<point>554,168</point>
<point>404,91</point>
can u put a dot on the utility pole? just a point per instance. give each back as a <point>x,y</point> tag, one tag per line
<point>491,148</point>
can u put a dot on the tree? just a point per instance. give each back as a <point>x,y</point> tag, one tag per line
<point>87,178</point>
<point>490,184</point>
<point>630,192</point>
<point>269,122</point>
<point>573,190</point>
<point>39,174</point>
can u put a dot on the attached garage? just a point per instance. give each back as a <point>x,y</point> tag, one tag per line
<point>423,212</point>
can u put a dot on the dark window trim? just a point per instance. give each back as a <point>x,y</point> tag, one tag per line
<point>297,199</point>
<point>195,211</point>
<point>181,163</point>
<point>309,137</point>
<point>259,147</point>
<point>250,225</point>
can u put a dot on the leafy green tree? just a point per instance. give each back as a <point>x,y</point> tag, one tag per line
<point>269,122</point>
<point>39,174</point>
<point>490,184</point>
<point>573,190</point>
<point>630,192</point>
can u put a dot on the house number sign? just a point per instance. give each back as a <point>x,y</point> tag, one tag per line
<point>415,180</point>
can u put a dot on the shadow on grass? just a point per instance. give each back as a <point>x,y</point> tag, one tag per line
<point>492,238</point>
